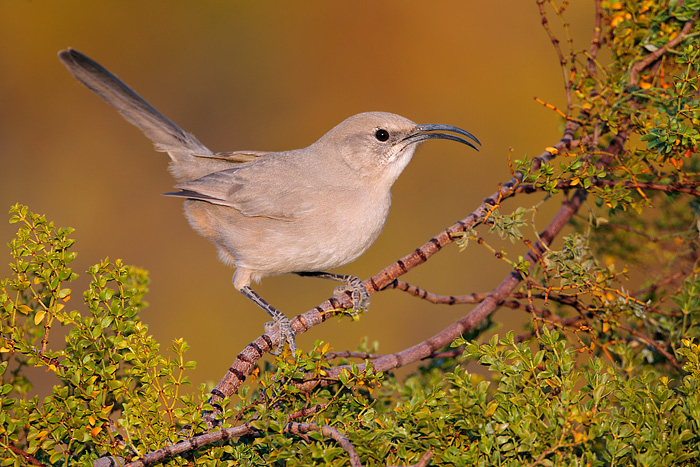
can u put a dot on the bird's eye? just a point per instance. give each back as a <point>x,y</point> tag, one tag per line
<point>382,135</point>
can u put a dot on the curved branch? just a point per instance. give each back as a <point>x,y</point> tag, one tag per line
<point>191,444</point>
<point>329,432</point>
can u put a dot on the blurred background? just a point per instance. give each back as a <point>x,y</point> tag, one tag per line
<point>272,76</point>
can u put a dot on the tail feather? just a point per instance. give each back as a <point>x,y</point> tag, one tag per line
<point>166,135</point>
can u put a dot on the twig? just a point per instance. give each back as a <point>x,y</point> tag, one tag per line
<point>595,42</point>
<point>472,298</point>
<point>25,456</point>
<point>434,298</point>
<point>349,354</point>
<point>655,286</point>
<point>301,429</point>
<point>658,53</point>
<point>425,460</point>
<point>191,444</point>
<point>649,341</point>
<point>560,54</point>
<point>306,411</point>
<point>330,432</point>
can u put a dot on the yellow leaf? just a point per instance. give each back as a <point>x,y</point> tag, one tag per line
<point>91,420</point>
<point>552,150</point>
<point>24,309</point>
<point>95,430</point>
<point>39,317</point>
<point>491,408</point>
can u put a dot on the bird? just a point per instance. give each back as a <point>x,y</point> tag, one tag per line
<point>302,211</point>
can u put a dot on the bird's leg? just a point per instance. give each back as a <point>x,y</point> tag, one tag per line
<point>353,284</point>
<point>281,322</point>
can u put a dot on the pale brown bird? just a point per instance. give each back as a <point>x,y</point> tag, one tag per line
<point>301,211</point>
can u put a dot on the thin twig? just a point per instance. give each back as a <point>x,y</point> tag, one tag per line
<point>595,42</point>
<point>435,298</point>
<point>191,444</point>
<point>349,354</point>
<point>562,61</point>
<point>327,431</point>
<point>25,456</point>
<point>638,67</point>
<point>649,341</point>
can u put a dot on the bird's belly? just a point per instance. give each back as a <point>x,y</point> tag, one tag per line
<point>324,243</point>
<point>273,246</point>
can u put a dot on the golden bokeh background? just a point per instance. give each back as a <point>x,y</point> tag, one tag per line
<point>271,76</point>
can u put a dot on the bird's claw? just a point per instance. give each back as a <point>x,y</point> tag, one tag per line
<point>284,326</point>
<point>358,292</point>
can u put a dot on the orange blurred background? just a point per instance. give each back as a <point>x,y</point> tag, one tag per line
<point>272,76</point>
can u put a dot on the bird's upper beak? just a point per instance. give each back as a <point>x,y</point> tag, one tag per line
<point>434,131</point>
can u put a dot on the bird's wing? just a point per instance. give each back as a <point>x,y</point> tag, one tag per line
<point>236,157</point>
<point>255,190</point>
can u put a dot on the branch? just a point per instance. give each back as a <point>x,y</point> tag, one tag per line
<point>562,61</point>
<point>649,341</point>
<point>638,67</point>
<point>595,42</point>
<point>191,444</point>
<point>471,298</point>
<point>24,455</point>
<point>325,430</point>
<point>435,299</point>
<point>349,354</point>
<point>302,428</point>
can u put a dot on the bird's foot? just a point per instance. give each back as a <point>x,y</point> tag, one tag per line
<point>360,296</point>
<point>284,326</point>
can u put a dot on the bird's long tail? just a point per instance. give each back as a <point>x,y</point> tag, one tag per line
<point>182,147</point>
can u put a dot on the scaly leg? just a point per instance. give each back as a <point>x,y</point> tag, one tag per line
<point>280,322</point>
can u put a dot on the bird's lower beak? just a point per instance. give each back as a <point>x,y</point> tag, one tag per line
<point>434,131</point>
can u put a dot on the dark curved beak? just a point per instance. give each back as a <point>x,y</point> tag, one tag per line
<point>434,131</point>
